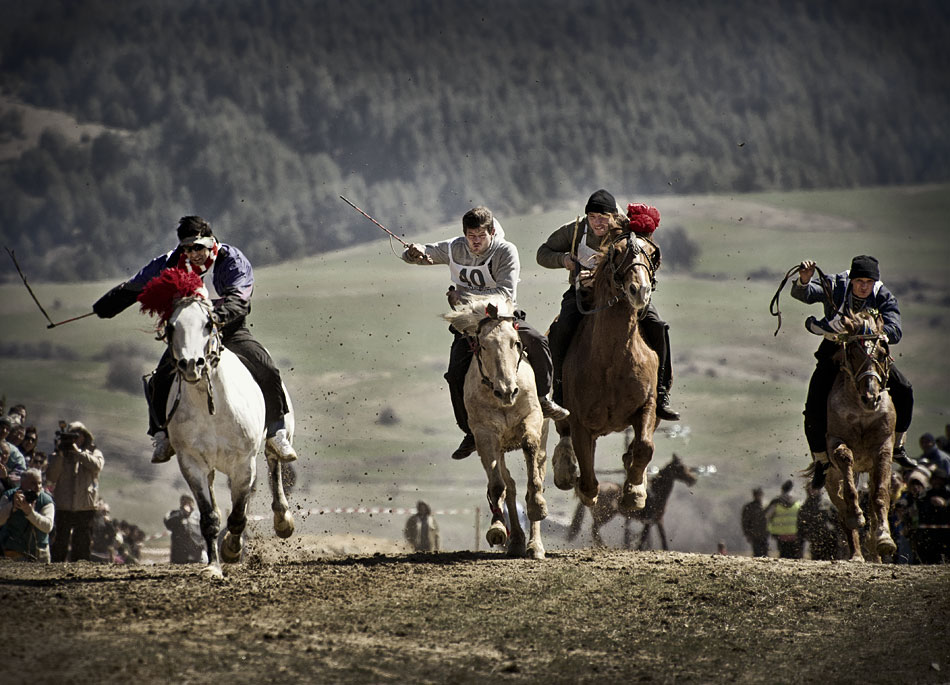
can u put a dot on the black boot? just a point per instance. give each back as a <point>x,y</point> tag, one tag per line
<point>465,448</point>
<point>663,410</point>
<point>552,410</point>
<point>900,457</point>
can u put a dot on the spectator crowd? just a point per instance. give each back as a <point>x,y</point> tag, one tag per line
<point>50,508</point>
<point>919,516</point>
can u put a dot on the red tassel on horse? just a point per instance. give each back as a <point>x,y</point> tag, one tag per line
<point>162,291</point>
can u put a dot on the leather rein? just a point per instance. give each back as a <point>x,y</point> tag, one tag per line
<point>477,347</point>
<point>619,271</point>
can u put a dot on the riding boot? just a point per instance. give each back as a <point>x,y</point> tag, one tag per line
<point>157,388</point>
<point>552,410</point>
<point>465,448</point>
<point>663,410</point>
<point>900,452</point>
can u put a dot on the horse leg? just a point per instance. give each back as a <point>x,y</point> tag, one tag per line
<point>587,485</point>
<point>635,460</point>
<point>242,485</point>
<point>879,502</point>
<point>843,458</point>
<point>202,488</point>
<point>662,532</point>
<point>489,451</point>
<point>644,536</point>
<point>563,460</point>
<point>576,521</point>
<point>833,486</point>
<point>516,537</point>
<point>536,506</point>
<point>283,520</point>
<point>627,533</point>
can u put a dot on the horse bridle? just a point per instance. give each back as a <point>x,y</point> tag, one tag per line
<point>870,365</point>
<point>619,271</point>
<point>477,347</point>
<point>212,353</point>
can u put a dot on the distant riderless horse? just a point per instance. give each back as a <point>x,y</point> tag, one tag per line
<point>609,375</point>
<point>504,414</point>
<point>216,416</point>
<point>608,500</point>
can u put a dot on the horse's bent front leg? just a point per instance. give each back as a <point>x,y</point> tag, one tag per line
<point>283,520</point>
<point>536,506</point>
<point>834,488</point>
<point>635,461</point>
<point>843,458</point>
<point>563,460</point>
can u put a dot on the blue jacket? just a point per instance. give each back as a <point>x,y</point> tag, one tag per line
<point>231,275</point>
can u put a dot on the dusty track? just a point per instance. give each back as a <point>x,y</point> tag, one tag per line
<point>471,617</point>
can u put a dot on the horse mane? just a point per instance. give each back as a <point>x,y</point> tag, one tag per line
<point>163,292</point>
<point>864,322</point>
<point>465,319</point>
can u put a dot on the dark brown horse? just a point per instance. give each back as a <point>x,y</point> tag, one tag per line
<point>608,506</point>
<point>609,374</point>
<point>861,421</point>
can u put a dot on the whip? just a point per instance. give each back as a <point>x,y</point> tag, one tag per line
<point>391,234</point>
<point>33,295</point>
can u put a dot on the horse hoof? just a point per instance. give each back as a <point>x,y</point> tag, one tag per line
<point>565,472</point>
<point>283,524</point>
<point>885,545</point>
<point>517,550</point>
<point>634,497</point>
<point>212,572</point>
<point>535,550</point>
<point>496,535</point>
<point>231,548</point>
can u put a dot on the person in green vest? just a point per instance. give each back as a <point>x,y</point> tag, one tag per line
<point>782,515</point>
<point>26,518</point>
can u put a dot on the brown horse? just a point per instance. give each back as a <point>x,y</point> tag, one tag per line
<point>610,374</point>
<point>860,435</point>
<point>608,501</point>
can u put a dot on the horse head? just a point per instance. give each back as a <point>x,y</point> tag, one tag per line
<point>181,302</point>
<point>864,356</point>
<point>678,470</point>
<point>498,347</point>
<point>627,268</point>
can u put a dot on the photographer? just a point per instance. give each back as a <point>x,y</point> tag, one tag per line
<point>188,545</point>
<point>26,518</point>
<point>73,474</point>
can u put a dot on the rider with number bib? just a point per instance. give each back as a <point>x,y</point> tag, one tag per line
<point>482,262</point>
<point>229,278</point>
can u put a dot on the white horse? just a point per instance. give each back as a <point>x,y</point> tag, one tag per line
<point>504,414</point>
<point>216,423</point>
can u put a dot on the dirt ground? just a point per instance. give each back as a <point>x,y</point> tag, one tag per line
<point>305,611</point>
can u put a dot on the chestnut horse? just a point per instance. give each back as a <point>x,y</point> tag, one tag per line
<point>609,376</point>
<point>860,434</point>
<point>608,500</point>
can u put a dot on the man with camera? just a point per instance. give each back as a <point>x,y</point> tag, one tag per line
<point>73,474</point>
<point>26,518</point>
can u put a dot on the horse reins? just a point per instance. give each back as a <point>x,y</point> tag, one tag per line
<point>212,354</point>
<point>617,272</point>
<point>477,348</point>
<point>871,365</point>
<point>825,287</point>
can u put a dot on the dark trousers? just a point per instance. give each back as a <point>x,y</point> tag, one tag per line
<point>654,330</point>
<point>72,527</point>
<point>257,360</point>
<point>760,547</point>
<point>460,358</point>
<point>819,387</point>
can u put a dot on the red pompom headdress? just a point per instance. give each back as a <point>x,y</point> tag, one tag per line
<point>164,290</point>
<point>643,218</point>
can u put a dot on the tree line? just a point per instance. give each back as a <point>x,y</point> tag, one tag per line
<point>257,115</point>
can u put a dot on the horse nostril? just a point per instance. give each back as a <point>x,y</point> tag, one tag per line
<point>514,393</point>
<point>200,363</point>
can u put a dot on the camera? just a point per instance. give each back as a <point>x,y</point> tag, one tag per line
<point>65,439</point>
<point>30,495</point>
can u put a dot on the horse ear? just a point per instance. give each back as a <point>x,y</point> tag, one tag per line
<point>492,311</point>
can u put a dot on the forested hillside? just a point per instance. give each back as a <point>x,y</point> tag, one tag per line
<point>257,114</point>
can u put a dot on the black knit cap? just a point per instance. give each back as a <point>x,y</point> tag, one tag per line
<point>865,266</point>
<point>601,202</point>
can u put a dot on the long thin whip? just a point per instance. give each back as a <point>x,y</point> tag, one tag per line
<point>33,295</point>
<point>391,234</point>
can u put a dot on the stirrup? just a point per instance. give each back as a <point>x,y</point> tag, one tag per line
<point>162,449</point>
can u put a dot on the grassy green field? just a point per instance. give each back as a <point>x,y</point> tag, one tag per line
<point>358,334</point>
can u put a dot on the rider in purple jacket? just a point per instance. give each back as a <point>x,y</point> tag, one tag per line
<point>230,287</point>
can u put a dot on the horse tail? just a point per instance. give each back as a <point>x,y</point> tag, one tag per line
<point>576,522</point>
